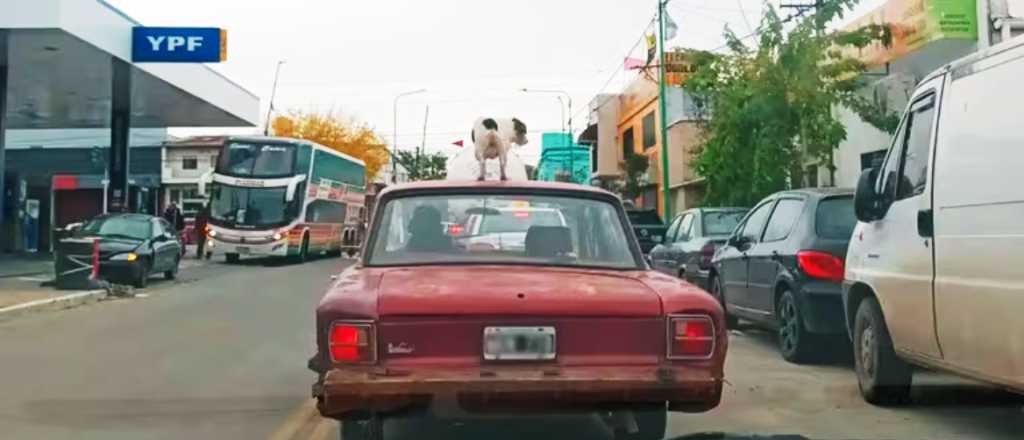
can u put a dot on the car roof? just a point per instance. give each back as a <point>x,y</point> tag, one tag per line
<point>526,185</point>
<point>127,216</point>
<point>816,192</point>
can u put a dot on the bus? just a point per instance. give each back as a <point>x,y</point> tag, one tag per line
<point>285,198</point>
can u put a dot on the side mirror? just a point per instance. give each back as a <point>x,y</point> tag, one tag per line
<point>866,201</point>
<point>289,195</point>
<point>739,242</point>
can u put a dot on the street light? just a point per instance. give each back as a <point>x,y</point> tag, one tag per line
<point>560,92</point>
<point>394,137</point>
<point>273,93</point>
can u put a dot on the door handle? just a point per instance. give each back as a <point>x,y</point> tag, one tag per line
<point>925,223</point>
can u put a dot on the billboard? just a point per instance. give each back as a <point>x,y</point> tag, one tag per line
<point>915,23</point>
<point>179,45</point>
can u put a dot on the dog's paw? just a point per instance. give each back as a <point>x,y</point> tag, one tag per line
<point>480,179</point>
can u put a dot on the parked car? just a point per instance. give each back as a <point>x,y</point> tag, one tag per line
<point>134,246</point>
<point>573,322</point>
<point>933,276</point>
<point>647,226</point>
<point>691,241</point>
<point>783,267</point>
<point>505,228</point>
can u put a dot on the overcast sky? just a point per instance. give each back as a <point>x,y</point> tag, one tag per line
<point>473,56</point>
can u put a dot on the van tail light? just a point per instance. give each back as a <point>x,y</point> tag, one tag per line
<point>821,265</point>
<point>691,337</point>
<point>352,342</point>
<point>706,254</point>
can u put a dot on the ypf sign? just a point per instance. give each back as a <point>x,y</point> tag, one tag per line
<point>179,45</point>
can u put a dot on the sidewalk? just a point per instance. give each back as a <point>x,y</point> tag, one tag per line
<point>21,265</point>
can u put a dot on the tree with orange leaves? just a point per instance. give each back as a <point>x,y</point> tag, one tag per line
<point>346,135</point>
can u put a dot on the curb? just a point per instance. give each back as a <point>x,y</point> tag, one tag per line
<point>58,303</point>
<point>23,274</point>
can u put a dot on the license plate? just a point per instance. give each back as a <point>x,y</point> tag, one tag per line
<point>519,343</point>
<point>243,249</point>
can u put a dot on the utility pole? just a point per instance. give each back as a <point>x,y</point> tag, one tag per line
<point>273,93</point>
<point>423,142</point>
<point>394,137</point>
<point>666,192</point>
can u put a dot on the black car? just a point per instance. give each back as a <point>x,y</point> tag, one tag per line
<point>783,267</point>
<point>647,226</point>
<point>691,241</point>
<point>134,246</point>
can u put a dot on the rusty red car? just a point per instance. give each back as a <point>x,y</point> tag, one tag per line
<point>568,319</point>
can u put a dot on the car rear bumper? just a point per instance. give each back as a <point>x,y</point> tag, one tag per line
<point>344,392</point>
<point>822,306</point>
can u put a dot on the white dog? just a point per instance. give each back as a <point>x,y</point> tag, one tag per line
<point>493,138</point>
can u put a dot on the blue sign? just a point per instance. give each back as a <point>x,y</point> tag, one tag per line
<point>179,45</point>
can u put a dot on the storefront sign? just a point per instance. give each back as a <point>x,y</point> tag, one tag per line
<point>678,68</point>
<point>179,45</point>
<point>915,23</point>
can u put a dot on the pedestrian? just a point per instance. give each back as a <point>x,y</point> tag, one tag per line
<point>199,230</point>
<point>173,216</point>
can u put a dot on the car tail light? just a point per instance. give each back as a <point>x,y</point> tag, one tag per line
<point>455,229</point>
<point>691,337</point>
<point>821,265</point>
<point>706,254</point>
<point>352,342</point>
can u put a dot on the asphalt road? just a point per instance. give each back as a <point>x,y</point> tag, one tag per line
<point>220,354</point>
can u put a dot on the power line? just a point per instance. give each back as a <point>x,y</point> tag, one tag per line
<point>760,29</point>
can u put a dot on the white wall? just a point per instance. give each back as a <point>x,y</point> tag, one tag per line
<point>172,171</point>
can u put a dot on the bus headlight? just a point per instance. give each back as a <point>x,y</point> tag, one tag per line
<point>277,236</point>
<point>212,233</point>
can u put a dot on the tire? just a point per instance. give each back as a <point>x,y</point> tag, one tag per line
<point>303,251</point>
<point>365,429</point>
<point>883,378</point>
<point>718,292</point>
<point>796,344</point>
<point>142,279</point>
<point>173,272</point>
<point>231,258</point>
<point>651,423</point>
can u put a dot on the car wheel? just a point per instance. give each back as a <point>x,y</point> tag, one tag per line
<point>142,278</point>
<point>650,423</point>
<point>173,272</point>
<point>884,378</point>
<point>796,344</point>
<point>231,258</point>
<point>718,292</point>
<point>362,429</point>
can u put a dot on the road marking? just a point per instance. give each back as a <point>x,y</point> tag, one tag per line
<point>322,430</point>
<point>295,421</point>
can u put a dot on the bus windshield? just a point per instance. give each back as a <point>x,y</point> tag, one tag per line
<point>250,206</point>
<point>241,159</point>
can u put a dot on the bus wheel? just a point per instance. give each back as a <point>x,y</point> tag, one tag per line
<point>231,258</point>
<point>304,250</point>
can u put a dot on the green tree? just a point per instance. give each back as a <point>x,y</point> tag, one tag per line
<point>769,106</point>
<point>423,166</point>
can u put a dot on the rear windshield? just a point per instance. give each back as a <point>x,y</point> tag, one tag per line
<point>644,217</point>
<point>835,218</point>
<point>519,221</point>
<point>721,222</point>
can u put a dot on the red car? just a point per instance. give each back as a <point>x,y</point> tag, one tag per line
<point>573,321</point>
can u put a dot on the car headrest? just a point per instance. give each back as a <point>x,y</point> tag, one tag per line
<point>548,241</point>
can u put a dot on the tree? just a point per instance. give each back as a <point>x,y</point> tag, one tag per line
<point>423,166</point>
<point>341,134</point>
<point>634,166</point>
<point>770,106</point>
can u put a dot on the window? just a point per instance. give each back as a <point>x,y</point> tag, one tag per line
<point>755,222</point>
<point>915,159</point>
<point>721,222</point>
<point>835,218</point>
<point>684,228</point>
<point>887,178</point>
<point>673,229</point>
<point>323,211</point>
<point>786,213</point>
<point>628,143</point>
<point>650,131</point>
<point>189,163</point>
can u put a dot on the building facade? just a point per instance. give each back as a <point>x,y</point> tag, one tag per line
<point>184,163</point>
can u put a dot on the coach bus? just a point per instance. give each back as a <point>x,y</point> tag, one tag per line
<point>285,198</point>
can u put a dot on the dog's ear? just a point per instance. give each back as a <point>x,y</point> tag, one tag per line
<point>519,126</point>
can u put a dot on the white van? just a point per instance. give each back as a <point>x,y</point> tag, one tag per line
<point>935,268</point>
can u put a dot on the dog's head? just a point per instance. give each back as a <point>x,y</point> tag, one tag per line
<point>520,129</point>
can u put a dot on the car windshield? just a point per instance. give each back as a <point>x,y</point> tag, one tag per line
<point>248,206</point>
<point>118,227</point>
<point>256,160</point>
<point>721,222</point>
<point>643,217</point>
<point>564,231</point>
<point>835,218</point>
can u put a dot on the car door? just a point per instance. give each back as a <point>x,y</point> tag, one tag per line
<point>734,258</point>
<point>163,247</point>
<point>901,262</point>
<point>768,253</point>
<point>660,254</point>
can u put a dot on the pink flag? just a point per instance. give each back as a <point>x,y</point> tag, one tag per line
<point>632,63</point>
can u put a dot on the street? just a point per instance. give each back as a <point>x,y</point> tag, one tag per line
<point>221,353</point>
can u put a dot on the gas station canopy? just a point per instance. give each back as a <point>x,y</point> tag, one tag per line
<point>60,59</point>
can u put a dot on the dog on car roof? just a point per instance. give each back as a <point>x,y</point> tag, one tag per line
<point>494,137</point>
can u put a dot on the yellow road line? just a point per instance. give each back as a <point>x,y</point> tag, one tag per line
<point>296,421</point>
<point>322,429</point>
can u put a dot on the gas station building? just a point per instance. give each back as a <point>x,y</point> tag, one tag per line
<point>68,64</point>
